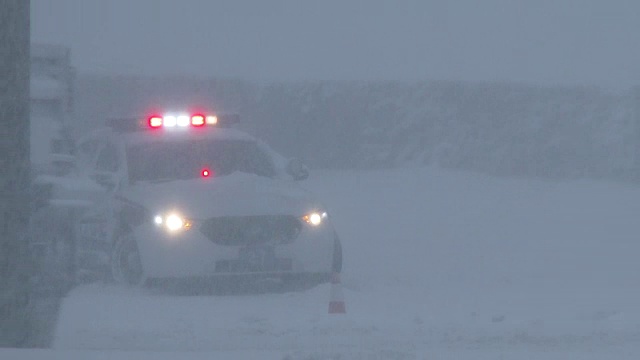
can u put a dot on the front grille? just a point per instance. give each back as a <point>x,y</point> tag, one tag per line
<point>251,230</point>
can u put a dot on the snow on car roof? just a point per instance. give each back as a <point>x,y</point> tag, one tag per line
<point>141,137</point>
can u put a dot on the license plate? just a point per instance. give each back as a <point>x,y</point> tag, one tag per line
<point>257,258</point>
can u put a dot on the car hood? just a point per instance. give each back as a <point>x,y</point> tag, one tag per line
<point>238,194</point>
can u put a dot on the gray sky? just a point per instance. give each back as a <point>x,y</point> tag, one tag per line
<point>537,41</point>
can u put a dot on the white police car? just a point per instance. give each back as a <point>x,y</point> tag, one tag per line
<point>184,196</point>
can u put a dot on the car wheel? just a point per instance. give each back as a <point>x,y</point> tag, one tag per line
<point>126,266</point>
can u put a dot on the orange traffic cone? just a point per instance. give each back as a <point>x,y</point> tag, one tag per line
<point>336,303</point>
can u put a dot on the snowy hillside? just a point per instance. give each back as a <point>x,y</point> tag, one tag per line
<point>438,265</point>
<point>503,129</point>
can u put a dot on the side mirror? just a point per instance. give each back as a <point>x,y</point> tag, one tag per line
<point>107,181</point>
<point>297,170</point>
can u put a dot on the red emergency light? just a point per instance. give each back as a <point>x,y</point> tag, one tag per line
<point>155,122</point>
<point>197,120</point>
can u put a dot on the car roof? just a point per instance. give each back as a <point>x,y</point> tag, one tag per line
<point>188,134</point>
<point>173,135</point>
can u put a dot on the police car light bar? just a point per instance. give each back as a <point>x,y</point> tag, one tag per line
<point>172,121</point>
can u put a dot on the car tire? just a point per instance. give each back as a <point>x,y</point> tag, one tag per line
<point>126,265</point>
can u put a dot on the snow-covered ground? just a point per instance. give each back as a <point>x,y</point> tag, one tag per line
<point>438,265</point>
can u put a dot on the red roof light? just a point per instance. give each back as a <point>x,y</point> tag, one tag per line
<point>197,120</point>
<point>155,122</point>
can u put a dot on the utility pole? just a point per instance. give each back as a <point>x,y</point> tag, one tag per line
<point>14,170</point>
<point>635,166</point>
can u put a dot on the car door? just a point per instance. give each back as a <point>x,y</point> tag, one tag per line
<point>96,225</point>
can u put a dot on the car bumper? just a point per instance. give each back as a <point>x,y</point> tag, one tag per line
<point>191,254</point>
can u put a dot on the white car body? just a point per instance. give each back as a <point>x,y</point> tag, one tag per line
<point>239,223</point>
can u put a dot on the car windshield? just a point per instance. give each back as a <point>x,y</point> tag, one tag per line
<point>166,161</point>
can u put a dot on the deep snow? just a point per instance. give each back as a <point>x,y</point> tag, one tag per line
<point>438,265</point>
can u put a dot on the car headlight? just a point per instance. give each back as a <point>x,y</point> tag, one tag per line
<point>315,218</point>
<point>172,222</point>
